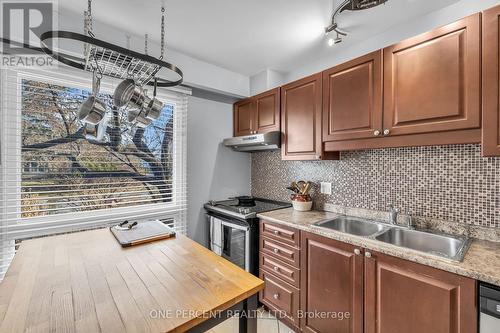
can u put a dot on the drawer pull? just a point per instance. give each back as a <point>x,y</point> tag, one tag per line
<point>276,296</point>
<point>276,232</point>
<point>276,269</point>
<point>276,250</point>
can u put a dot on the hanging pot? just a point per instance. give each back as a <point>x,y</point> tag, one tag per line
<point>153,106</point>
<point>90,132</point>
<point>96,132</point>
<point>92,111</point>
<point>138,117</point>
<point>130,94</point>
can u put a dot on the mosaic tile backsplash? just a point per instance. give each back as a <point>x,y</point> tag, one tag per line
<point>450,183</point>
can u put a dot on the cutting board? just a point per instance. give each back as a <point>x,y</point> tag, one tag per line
<point>143,232</point>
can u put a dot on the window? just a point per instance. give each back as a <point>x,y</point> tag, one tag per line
<point>61,175</point>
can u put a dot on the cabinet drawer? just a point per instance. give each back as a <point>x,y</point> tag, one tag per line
<point>282,233</point>
<point>286,253</point>
<point>280,296</point>
<point>284,271</point>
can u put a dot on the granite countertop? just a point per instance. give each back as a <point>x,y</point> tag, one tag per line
<point>481,262</point>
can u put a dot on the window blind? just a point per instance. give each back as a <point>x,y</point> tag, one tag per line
<point>58,175</point>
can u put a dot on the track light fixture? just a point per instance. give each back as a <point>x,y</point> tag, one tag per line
<point>353,5</point>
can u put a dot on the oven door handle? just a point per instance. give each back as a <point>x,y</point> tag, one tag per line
<point>235,226</point>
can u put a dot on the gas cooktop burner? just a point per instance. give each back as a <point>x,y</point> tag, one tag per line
<point>245,201</point>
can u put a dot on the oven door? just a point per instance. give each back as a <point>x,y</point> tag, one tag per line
<point>231,240</point>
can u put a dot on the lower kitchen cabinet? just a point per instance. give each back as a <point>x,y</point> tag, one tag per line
<point>280,270</point>
<point>402,296</point>
<point>332,286</point>
<point>335,287</point>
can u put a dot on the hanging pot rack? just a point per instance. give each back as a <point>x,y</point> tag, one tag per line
<point>110,59</point>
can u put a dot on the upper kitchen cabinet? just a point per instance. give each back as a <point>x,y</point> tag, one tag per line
<point>243,117</point>
<point>267,111</point>
<point>301,118</point>
<point>257,114</point>
<point>491,86</point>
<point>432,84</point>
<point>352,99</point>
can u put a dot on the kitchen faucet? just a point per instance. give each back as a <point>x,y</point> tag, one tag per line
<point>393,214</point>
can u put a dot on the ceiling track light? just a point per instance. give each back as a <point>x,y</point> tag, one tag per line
<point>353,5</point>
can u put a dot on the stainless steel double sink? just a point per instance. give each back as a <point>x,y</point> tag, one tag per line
<point>438,244</point>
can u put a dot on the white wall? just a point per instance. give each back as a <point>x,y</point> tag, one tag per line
<point>197,73</point>
<point>214,172</point>
<point>395,34</point>
<point>265,80</point>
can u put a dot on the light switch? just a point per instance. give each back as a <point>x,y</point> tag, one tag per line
<point>326,188</point>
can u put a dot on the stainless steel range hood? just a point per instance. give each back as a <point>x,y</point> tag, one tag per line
<point>255,142</point>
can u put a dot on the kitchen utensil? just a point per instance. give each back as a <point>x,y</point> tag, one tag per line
<point>293,189</point>
<point>300,185</point>
<point>92,111</point>
<point>306,188</point>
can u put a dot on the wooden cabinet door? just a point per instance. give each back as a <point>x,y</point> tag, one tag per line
<point>301,119</point>
<point>432,82</point>
<point>331,283</point>
<point>402,296</point>
<point>352,99</point>
<point>267,111</point>
<point>491,86</point>
<point>243,117</point>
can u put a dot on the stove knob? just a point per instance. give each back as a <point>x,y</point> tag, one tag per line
<point>242,210</point>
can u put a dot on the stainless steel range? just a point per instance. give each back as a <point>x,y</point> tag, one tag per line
<point>234,228</point>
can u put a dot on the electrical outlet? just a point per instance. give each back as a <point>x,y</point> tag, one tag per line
<point>326,188</point>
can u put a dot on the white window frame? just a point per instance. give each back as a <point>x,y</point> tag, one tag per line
<point>58,223</point>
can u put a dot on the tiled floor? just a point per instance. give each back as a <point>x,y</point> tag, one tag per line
<point>266,323</point>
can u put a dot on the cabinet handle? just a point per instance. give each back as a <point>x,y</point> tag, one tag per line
<point>276,250</point>
<point>376,133</point>
<point>386,131</point>
<point>276,296</point>
<point>318,157</point>
<point>357,252</point>
<point>276,232</point>
<point>276,268</point>
<point>368,254</point>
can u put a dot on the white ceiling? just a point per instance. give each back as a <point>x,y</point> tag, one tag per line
<point>248,36</point>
